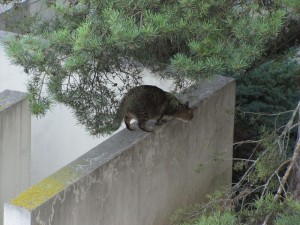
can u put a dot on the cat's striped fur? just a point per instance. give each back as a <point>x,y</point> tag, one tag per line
<point>147,102</point>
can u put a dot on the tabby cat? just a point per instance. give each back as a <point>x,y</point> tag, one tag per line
<point>146,102</point>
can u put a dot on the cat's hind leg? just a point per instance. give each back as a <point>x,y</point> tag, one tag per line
<point>159,121</point>
<point>143,126</point>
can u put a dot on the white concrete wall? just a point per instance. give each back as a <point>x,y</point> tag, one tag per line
<point>140,178</point>
<point>15,130</point>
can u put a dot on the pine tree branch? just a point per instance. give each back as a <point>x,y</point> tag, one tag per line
<point>264,114</point>
<point>247,160</point>
<point>273,174</point>
<point>287,173</point>
<point>246,142</point>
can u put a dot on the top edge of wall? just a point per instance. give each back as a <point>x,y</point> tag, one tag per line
<point>9,97</point>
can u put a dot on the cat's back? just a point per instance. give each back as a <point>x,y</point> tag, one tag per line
<point>145,92</point>
<point>147,98</point>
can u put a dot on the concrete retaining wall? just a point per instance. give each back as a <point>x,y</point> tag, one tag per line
<point>136,178</point>
<point>15,128</point>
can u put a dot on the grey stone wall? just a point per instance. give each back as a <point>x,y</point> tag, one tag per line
<point>10,17</point>
<point>22,11</point>
<point>136,178</point>
<point>15,131</point>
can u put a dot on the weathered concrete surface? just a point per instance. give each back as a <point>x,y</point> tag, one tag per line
<point>15,138</point>
<point>137,178</point>
<point>19,11</point>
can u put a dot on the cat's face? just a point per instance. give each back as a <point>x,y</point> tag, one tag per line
<point>185,113</point>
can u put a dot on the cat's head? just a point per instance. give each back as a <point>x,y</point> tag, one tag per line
<point>184,112</point>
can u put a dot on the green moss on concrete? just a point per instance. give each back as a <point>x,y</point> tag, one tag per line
<point>46,189</point>
<point>1,107</point>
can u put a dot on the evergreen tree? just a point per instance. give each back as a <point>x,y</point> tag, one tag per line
<point>92,52</point>
<point>269,89</point>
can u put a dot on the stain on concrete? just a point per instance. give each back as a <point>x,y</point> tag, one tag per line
<point>45,189</point>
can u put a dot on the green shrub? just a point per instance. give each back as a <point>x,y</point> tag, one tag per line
<point>269,89</point>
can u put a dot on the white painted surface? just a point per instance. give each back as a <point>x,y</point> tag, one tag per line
<point>16,216</point>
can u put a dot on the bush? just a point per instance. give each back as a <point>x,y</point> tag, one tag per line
<point>271,88</point>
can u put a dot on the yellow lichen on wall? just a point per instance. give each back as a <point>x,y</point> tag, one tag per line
<point>2,107</point>
<point>46,189</point>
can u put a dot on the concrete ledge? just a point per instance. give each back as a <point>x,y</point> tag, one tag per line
<point>9,98</point>
<point>136,178</point>
<point>15,138</point>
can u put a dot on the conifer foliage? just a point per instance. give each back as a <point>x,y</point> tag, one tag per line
<point>92,52</point>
